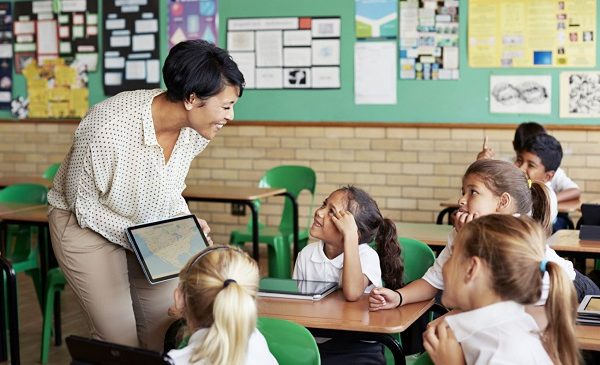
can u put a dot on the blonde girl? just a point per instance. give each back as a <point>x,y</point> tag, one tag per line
<point>217,297</point>
<point>495,270</point>
<point>489,186</point>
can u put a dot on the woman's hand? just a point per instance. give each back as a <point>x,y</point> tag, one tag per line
<point>383,298</point>
<point>442,346</point>
<point>205,229</point>
<point>462,218</point>
<point>345,223</point>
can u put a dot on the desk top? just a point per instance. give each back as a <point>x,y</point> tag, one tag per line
<point>430,233</point>
<point>229,192</point>
<point>566,206</point>
<point>29,213</point>
<point>11,208</point>
<point>11,180</point>
<point>334,312</point>
<point>568,240</point>
<point>588,337</point>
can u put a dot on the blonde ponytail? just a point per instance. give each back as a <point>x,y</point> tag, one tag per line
<point>559,336</point>
<point>220,286</point>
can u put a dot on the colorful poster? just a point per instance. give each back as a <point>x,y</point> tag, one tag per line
<point>287,52</point>
<point>376,18</point>
<point>6,55</point>
<point>56,90</point>
<point>520,94</point>
<point>192,19</point>
<point>579,94</point>
<point>523,33</point>
<point>429,40</point>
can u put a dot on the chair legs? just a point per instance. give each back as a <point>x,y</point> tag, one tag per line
<point>56,283</point>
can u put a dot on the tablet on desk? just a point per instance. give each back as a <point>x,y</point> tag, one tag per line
<point>588,311</point>
<point>164,247</point>
<point>86,351</point>
<point>295,289</point>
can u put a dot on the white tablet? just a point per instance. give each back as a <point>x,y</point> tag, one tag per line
<point>590,305</point>
<point>165,246</point>
<point>295,289</point>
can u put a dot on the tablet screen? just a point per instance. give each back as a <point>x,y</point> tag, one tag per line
<point>164,247</point>
<point>593,305</point>
<point>291,286</point>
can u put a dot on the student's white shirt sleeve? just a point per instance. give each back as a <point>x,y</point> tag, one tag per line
<point>434,274</point>
<point>561,181</point>
<point>369,262</point>
<point>566,265</point>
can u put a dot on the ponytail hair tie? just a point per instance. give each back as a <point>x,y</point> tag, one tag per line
<point>543,264</point>
<point>529,182</point>
<point>227,282</point>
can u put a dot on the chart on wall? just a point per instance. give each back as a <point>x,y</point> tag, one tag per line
<point>47,30</point>
<point>192,19</point>
<point>376,18</point>
<point>429,40</point>
<point>6,55</point>
<point>287,52</point>
<point>131,45</point>
<point>524,33</point>
<point>579,94</point>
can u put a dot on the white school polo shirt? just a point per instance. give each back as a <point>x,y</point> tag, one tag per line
<point>258,350</point>
<point>312,264</point>
<point>115,175</point>
<point>434,275</point>
<point>501,333</point>
<point>561,181</point>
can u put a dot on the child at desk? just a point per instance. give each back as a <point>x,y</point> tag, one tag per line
<point>217,298</point>
<point>346,223</point>
<point>495,270</point>
<point>489,186</point>
<point>560,183</point>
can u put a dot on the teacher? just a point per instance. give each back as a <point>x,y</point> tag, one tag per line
<point>127,165</point>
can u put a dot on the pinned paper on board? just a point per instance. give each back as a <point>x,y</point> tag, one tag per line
<point>287,52</point>
<point>193,19</point>
<point>521,94</point>
<point>6,55</point>
<point>579,94</point>
<point>376,18</point>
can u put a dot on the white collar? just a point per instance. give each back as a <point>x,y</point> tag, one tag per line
<point>466,323</point>
<point>148,124</point>
<point>318,256</point>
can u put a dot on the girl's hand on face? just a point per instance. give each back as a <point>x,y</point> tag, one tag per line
<point>345,223</point>
<point>383,298</point>
<point>462,218</point>
<point>441,345</point>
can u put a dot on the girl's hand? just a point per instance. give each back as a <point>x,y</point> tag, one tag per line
<point>462,218</point>
<point>383,298</point>
<point>442,346</point>
<point>205,230</point>
<point>345,223</point>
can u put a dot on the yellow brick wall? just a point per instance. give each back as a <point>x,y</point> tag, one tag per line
<point>408,170</point>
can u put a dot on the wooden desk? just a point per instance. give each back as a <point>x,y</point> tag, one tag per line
<point>566,242</point>
<point>243,195</point>
<point>432,234</point>
<point>11,180</point>
<point>588,337</point>
<point>334,316</point>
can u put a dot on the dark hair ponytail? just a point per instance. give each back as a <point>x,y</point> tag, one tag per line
<point>388,248</point>
<point>372,226</point>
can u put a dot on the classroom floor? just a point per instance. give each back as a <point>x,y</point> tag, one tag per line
<point>73,321</point>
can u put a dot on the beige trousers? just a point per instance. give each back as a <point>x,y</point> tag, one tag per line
<point>120,304</point>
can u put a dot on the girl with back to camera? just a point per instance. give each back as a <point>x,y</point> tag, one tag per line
<point>217,297</point>
<point>489,186</point>
<point>345,224</point>
<point>495,270</point>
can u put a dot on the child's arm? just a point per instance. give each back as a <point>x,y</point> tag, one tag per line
<point>487,153</point>
<point>568,194</point>
<point>354,281</point>
<point>417,291</point>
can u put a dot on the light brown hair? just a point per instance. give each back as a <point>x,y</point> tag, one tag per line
<point>219,286</point>
<point>513,248</point>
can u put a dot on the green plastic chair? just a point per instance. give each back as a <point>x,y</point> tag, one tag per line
<point>289,342</point>
<point>294,179</point>
<point>21,248</point>
<point>51,171</point>
<point>419,359</point>
<point>417,258</point>
<point>55,284</point>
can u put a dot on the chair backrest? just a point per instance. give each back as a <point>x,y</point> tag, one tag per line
<point>87,351</point>
<point>51,171</point>
<point>294,179</point>
<point>289,342</point>
<point>590,215</point>
<point>417,258</point>
<point>24,193</point>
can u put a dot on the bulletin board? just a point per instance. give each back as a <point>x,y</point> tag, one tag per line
<point>461,101</point>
